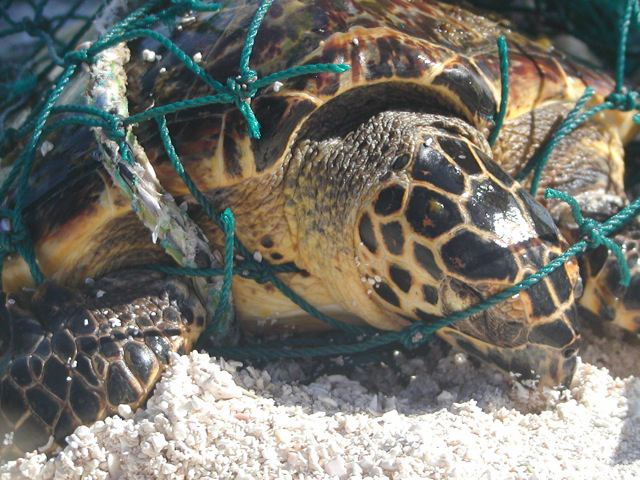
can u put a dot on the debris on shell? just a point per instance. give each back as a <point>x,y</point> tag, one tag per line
<point>46,147</point>
<point>148,55</point>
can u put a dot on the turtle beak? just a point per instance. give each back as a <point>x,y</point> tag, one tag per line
<point>544,365</point>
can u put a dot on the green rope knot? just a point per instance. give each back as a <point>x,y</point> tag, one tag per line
<point>34,27</point>
<point>242,92</point>
<point>241,88</point>
<point>625,100</point>
<point>115,128</point>
<point>12,236</point>
<point>261,272</point>
<point>592,232</point>
<point>414,335</point>
<point>23,85</point>
<point>247,78</point>
<point>77,57</point>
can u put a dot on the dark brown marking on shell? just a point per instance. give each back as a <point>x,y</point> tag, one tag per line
<point>389,200</point>
<point>431,165</point>
<point>430,294</point>
<point>194,134</point>
<point>461,154</point>
<point>367,236</point>
<point>430,213</point>
<point>536,75</point>
<point>278,117</point>
<point>613,277</point>
<point>426,260</point>
<point>65,184</point>
<point>385,292</point>
<point>383,67</point>
<point>393,237</point>
<point>401,277</point>
<point>277,256</point>
<point>477,258</point>
<point>463,79</point>
<point>231,153</point>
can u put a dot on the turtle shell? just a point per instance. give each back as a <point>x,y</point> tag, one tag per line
<point>426,55</point>
<point>429,56</point>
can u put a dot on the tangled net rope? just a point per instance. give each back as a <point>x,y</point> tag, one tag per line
<point>115,127</point>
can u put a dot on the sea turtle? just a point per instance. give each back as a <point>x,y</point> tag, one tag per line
<point>379,184</point>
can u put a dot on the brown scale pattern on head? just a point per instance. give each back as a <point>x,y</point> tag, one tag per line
<point>450,229</point>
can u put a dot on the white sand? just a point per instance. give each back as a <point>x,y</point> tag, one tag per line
<point>441,417</point>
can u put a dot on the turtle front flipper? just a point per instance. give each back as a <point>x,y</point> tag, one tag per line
<point>588,165</point>
<point>604,297</point>
<point>71,357</point>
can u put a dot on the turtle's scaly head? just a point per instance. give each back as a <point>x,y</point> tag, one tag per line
<point>447,228</point>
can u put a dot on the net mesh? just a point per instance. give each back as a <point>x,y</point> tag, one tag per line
<point>44,49</point>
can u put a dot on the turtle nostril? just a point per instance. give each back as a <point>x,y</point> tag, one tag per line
<point>569,352</point>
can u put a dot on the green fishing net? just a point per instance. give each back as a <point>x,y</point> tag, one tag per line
<point>44,45</point>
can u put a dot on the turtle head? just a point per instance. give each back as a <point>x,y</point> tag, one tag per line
<point>445,228</point>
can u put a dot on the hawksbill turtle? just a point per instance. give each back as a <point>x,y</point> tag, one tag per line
<point>378,184</point>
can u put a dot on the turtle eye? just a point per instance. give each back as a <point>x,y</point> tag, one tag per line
<point>400,162</point>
